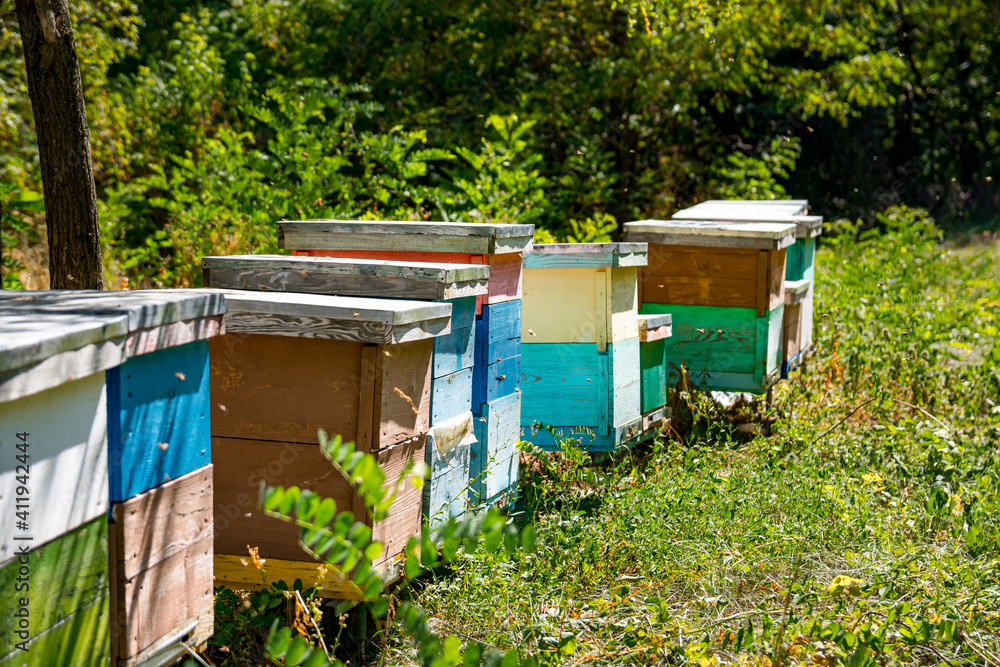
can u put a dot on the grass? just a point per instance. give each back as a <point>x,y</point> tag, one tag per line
<point>865,530</point>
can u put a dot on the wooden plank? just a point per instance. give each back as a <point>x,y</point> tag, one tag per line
<point>796,291</point>
<point>505,278</point>
<point>67,585</point>
<point>454,351</point>
<point>159,408</point>
<point>494,460</point>
<point>561,306</point>
<point>336,318</point>
<point>605,420</point>
<point>503,321</point>
<point>792,330</point>
<point>241,466</point>
<point>624,304</point>
<point>602,312</point>
<point>144,309</point>
<point>561,383</point>
<point>653,375</point>
<point>503,378</point>
<point>447,452</point>
<point>310,384</point>
<point>26,340</point>
<point>697,261</point>
<point>763,297</point>
<point>462,237</point>
<point>146,341</point>
<point>60,369</point>
<point>584,438</point>
<point>346,276</point>
<point>67,462</point>
<point>775,339</point>
<point>596,255</point>
<point>239,573</point>
<point>795,211</point>
<point>451,396</point>
<point>762,235</point>
<point>706,338</point>
<point>653,327</point>
<point>624,367</point>
<point>402,392</point>
<point>807,322</point>
<point>776,278</point>
<point>161,555</point>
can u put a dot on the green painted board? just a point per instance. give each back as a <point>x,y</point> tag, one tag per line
<point>724,349</point>
<point>653,374</point>
<point>68,612</point>
<point>799,260</point>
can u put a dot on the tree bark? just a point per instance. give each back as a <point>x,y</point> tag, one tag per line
<point>56,92</point>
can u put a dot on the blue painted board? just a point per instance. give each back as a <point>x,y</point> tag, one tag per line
<point>158,416</point>
<point>456,350</point>
<point>446,493</point>
<point>502,320</point>
<point>450,395</point>
<point>497,371</point>
<point>493,464</point>
<point>562,383</point>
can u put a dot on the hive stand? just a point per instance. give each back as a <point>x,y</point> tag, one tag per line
<point>581,356</point>
<point>452,434</point>
<point>799,262</point>
<point>723,284</point>
<point>289,365</point>
<point>496,371</point>
<point>654,330</point>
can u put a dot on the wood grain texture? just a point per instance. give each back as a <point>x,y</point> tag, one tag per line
<point>761,235</point>
<point>159,408</point>
<point>281,388</point>
<point>60,369</point>
<point>595,255</point>
<point>625,387</point>
<point>795,211</point>
<point>796,291</point>
<point>68,590</point>
<point>240,573</point>
<point>68,461</point>
<point>336,318</point>
<point>461,237</point>
<point>144,309</point>
<point>792,330</point>
<point>447,452</point>
<point>451,396</point>
<point>493,464</point>
<point>346,276</point>
<point>775,278</point>
<point>505,278</point>
<point>315,384</point>
<point>161,554</point>
<point>654,327</point>
<point>146,341</point>
<point>241,465</point>
<point>26,340</point>
<point>561,383</point>
<point>653,375</point>
<point>456,350</point>
<point>584,438</point>
<point>579,305</point>
<point>693,275</point>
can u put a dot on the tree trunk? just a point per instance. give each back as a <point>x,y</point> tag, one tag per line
<point>56,93</point>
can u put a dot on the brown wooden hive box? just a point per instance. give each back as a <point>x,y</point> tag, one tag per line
<point>289,365</point>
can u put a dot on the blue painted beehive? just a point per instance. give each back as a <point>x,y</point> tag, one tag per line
<point>452,399</point>
<point>496,375</point>
<point>799,262</point>
<point>580,358</point>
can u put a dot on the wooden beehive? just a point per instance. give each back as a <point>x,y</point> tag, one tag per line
<point>723,284</point>
<point>53,391</point>
<point>451,402</point>
<point>497,340</point>
<point>799,261</point>
<point>289,365</point>
<point>654,330</point>
<point>157,431</point>
<point>580,356</point>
